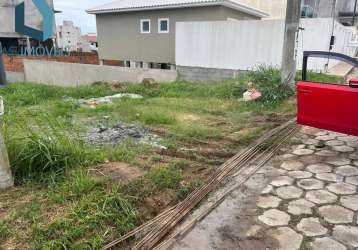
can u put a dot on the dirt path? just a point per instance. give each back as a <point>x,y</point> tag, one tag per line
<point>305,198</point>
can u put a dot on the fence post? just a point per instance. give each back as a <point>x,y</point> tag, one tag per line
<point>6,179</point>
<point>2,69</point>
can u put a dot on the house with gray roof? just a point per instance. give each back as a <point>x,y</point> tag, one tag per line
<point>143,31</point>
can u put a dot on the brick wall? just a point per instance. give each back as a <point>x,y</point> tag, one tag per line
<point>15,63</point>
<point>113,63</point>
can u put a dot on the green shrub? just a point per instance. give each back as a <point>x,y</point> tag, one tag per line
<point>268,81</point>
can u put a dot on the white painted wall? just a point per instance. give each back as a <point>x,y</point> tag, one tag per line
<point>229,45</point>
<point>242,45</point>
<point>316,36</point>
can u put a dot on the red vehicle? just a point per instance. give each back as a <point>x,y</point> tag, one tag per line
<point>326,105</point>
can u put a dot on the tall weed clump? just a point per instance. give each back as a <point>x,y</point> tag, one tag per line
<point>267,80</point>
<point>41,147</point>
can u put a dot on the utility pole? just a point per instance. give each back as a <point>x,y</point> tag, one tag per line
<point>354,13</point>
<point>293,15</point>
<point>6,179</point>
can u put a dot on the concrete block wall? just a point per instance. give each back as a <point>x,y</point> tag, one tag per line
<point>15,76</point>
<point>74,74</point>
<point>198,74</point>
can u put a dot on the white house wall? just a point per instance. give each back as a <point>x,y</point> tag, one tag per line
<point>242,45</point>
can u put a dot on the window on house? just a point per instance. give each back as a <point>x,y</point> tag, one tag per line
<point>163,25</point>
<point>145,26</point>
<point>307,11</point>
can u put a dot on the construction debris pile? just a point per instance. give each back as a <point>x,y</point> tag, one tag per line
<point>93,102</point>
<point>120,133</point>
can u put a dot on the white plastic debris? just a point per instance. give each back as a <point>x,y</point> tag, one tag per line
<point>108,99</point>
<point>2,107</point>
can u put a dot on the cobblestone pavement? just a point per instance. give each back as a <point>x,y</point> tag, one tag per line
<point>314,205</point>
<point>304,198</point>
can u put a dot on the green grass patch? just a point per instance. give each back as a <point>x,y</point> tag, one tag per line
<point>44,128</point>
<point>320,77</point>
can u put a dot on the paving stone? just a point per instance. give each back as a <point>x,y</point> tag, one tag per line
<point>282,181</point>
<point>253,231</point>
<point>311,227</point>
<point>342,188</point>
<point>339,161</point>
<point>321,197</point>
<point>343,149</point>
<point>354,156</point>
<point>346,234</point>
<point>336,214</point>
<point>268,201</point>
<point>287,238</point>
<point>352,180</point>
<point>300,174</point>
<point>310,184</point>
<point>330,177</point>
<point>303,151</point>
<point>348,138</point>
<point>268,189</point>
<point>347,170</point>
<point>272,171</point>
<point>311,142</point>
<point>289,192</point>
<point>325,137</point>
<point>336,134</point>
<point>321,133</point>
<point>319,168</point>
<point>301,146</point>
<point>326,244</point>
<point>274,217</point>
<point>326,153</point>
<point>334,143</point>
<point>299,207</point>
<point>353,144</point>
<point>287,156</point>
<point>350,201</point>
<point>292,165</point>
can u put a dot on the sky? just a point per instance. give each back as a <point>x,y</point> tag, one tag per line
<point>74,10</point>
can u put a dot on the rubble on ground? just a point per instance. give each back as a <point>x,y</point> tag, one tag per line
<point>93,102</point>
<point>122,132</point>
